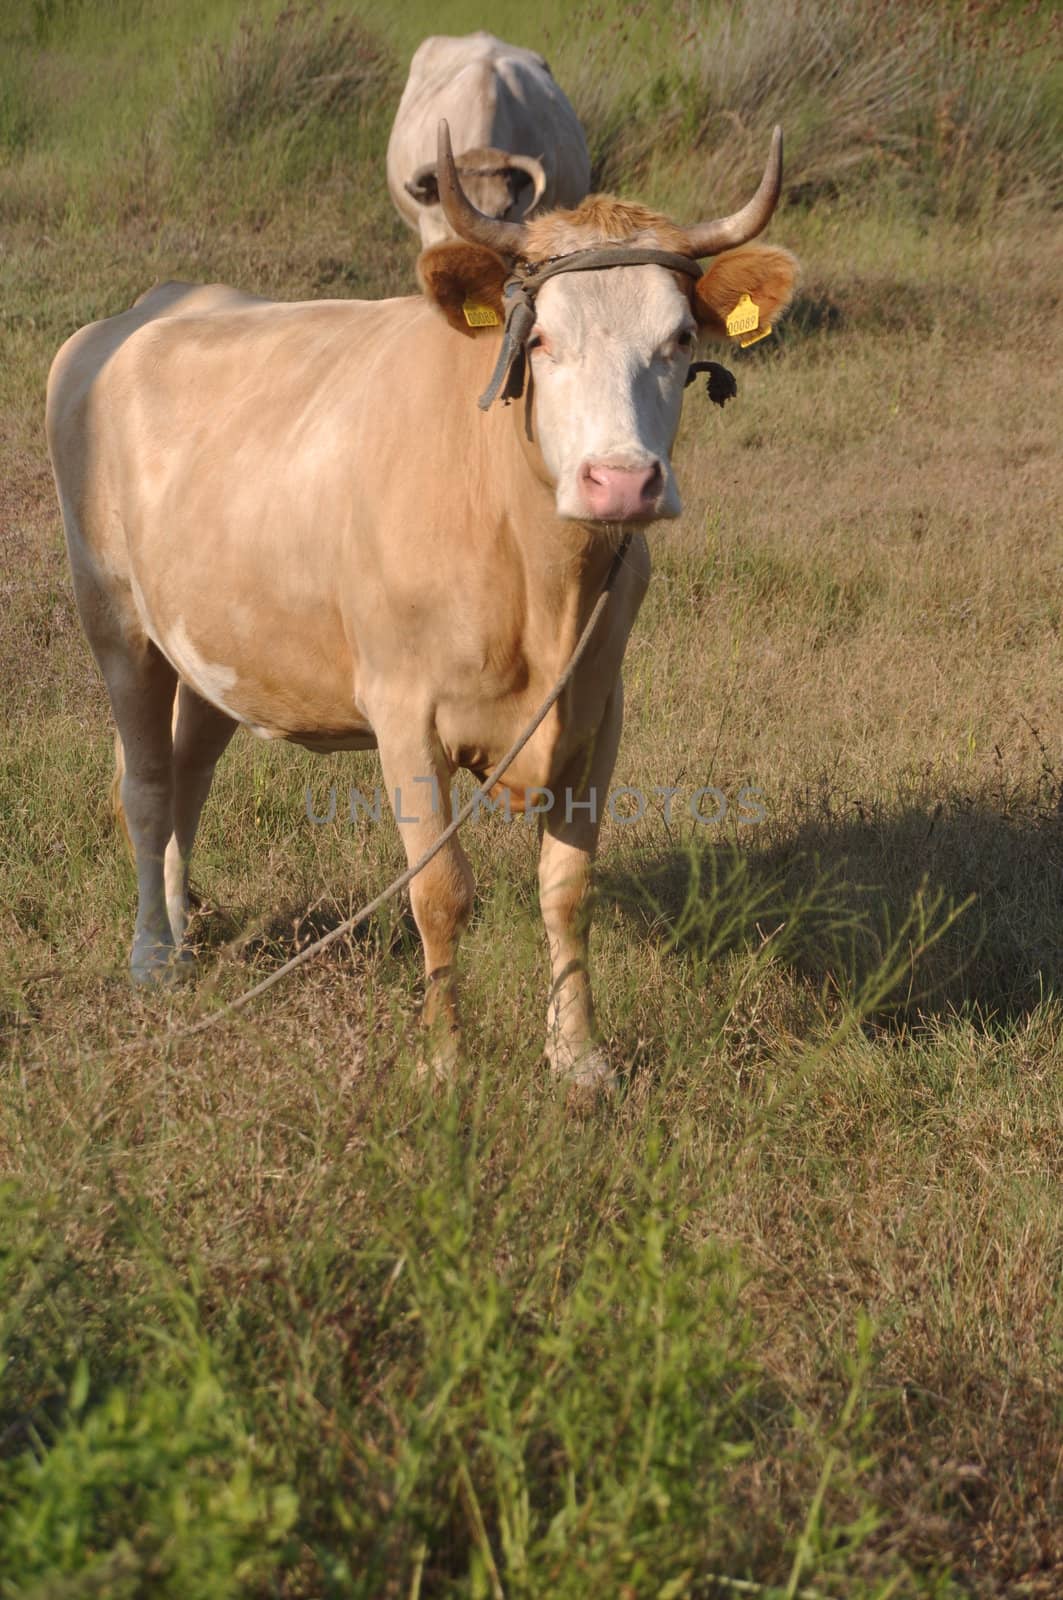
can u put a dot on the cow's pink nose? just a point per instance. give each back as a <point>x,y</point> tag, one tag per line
<point>621,494</point>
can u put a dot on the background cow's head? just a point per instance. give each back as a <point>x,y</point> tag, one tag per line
<point>500,184</point>
<point>610,349</point>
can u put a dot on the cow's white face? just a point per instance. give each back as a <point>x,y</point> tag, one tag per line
<point>610,352</point>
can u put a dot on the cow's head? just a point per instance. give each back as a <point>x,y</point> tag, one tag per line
<point>499,183</point>
<point>610,349</point>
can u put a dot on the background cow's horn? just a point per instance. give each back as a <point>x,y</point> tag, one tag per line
<point>536,173</point>
<point>709,238</point>
<point>507,238</point>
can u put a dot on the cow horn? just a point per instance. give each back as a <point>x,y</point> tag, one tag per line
<point>505,238</point>
<point>536,172</point>
<point>709,238</point>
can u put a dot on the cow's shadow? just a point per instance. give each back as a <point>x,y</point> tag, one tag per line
<point>216,930</point>
<point>962,900</point>
<point>963,897</point>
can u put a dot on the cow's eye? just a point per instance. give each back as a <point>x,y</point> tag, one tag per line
<point>679,347</point>
<point>538,342</point>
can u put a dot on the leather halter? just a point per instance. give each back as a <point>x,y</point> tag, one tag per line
<point>525,281</point>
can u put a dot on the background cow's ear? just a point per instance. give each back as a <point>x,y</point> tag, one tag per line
<point>764,272</point>
<point>425,190</point>
<point>454,272</point>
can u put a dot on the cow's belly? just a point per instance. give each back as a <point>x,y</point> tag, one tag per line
<point>280,676</point>
<point>244,600</point>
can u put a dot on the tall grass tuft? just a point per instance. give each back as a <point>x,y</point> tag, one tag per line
<point>300,91</point>
<point>303,69</point>
<point>932,99</point>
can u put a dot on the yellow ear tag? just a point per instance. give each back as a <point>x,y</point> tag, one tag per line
<point>480,316</point>
<point>745,317</point>
<point>751,338</point>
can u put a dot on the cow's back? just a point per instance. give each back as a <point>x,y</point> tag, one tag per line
<point>438,59</point>
<point>192,381</point>
<point>493,95</point>
<point>532,116</point>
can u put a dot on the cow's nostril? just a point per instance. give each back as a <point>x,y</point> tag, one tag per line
<point>618,494</point>
<point>645,480</point>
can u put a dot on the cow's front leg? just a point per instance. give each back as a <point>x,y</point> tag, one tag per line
<point>569,842</point>
<point>418,783</point>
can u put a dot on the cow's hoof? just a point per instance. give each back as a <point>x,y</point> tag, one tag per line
<point>440,1057</point>
<point>161,967</point>
<point>586,1075</point>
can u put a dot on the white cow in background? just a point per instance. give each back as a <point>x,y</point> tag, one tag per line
<point>519,143</point>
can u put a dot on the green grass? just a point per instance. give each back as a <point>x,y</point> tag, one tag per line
<point>275,1319</point>
<point>143,106</point>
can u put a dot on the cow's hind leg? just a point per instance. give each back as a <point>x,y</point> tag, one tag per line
<point>141,685</point>
<point>200,735</point>
<point>441,896</point>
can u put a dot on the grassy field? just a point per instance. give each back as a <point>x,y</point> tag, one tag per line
<point>787,1319</point>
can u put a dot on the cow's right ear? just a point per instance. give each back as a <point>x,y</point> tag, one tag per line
<point>763,271</point>
<point>454,273</point>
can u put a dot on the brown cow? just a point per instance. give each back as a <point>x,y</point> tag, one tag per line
<point>294,517</point>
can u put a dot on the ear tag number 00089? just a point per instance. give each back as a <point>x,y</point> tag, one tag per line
<point>743,323</point>
<point>480,316</point>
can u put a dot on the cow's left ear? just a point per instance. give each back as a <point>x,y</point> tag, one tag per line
<point>454,273</point>
<point>764,272</point>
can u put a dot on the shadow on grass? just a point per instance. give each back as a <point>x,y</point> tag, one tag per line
<point>914,914</point>
<point>284,933</point>
<point>870,304</point>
